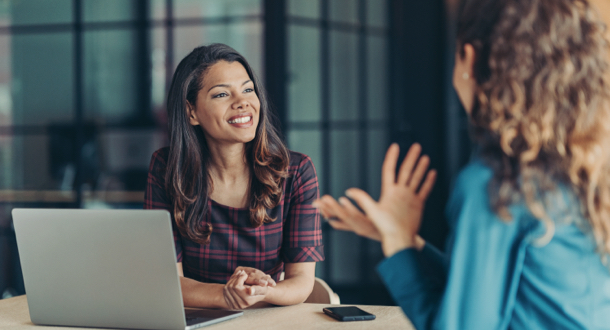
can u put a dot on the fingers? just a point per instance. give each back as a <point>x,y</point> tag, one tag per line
<point>257,290</point>
<point>388,169</point>
<point>350,207</point>
<point>331,209</point>
<point>406,168</point>
<point>231,289</point>
<point>418,173</point>
<point>257,277</point>
<point>340,225</point>
<point>362,198</point>
<point>239,295</point>
<point>426,187</point>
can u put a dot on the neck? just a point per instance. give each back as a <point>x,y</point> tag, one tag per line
<point>228,163</point>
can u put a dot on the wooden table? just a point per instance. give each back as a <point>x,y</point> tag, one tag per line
<point>14,314</point>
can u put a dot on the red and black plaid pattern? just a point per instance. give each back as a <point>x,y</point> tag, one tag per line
<point>295,235</point>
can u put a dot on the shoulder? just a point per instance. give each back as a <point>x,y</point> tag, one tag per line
<point>474,178</point>
<point>470,205</point>
<point>471,184</point>
<point>469,198</point>
<point>299,164</point>
<point>158,161</point>
<point>161,155</point>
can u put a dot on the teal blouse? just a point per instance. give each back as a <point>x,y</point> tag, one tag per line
<point>502,275</point>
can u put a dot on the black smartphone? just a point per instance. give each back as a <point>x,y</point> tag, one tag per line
<point>348,313</point>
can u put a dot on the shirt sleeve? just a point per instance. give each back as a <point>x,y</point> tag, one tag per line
<point>302,241</point>
<point>156,197</point>
<point>486,258</point>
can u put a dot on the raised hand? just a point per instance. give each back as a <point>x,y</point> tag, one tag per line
<point>343,215</point>
<point>398,214</point>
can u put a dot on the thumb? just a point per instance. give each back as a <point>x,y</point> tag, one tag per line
<point>364,200</point>
<point>257,290</point>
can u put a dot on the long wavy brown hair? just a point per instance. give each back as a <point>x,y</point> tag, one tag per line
<point>541,115</point>
<point>187,178</point>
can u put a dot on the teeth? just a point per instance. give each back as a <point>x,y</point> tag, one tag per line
<point>240,120</point>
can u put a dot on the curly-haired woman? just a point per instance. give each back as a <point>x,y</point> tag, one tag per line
<point>240,201</point>
<point>530,214</point>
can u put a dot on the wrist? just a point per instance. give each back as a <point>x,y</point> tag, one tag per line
<point>392,244</point>
<point>269,296</point>
<point>220,301</point>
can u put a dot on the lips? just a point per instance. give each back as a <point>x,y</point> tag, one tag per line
<point>242,121</point>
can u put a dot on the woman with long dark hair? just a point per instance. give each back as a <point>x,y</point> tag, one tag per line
<point>240,201</point>
<point>530,214</point>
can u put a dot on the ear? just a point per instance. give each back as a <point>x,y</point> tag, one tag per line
<point>191,113</point>
<point>465,63</point>
<point>463,80</point>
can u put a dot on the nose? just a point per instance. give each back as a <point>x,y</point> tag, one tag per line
<point>240,103</point>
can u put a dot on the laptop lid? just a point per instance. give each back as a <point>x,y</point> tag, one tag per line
<point>100,268</point>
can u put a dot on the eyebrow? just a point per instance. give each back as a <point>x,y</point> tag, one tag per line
<point>227,86</point>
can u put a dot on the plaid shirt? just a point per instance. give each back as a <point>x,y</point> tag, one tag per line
<point>295,235</point>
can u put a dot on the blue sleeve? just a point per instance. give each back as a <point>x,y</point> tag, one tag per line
<point>485,262</point>
<point>416,281</point>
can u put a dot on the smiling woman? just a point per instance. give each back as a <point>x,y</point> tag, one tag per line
<point>227,106</point>
<point>240,200</point>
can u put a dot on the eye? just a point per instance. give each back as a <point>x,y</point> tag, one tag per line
<point>223,94</point>
<point>249,90</point>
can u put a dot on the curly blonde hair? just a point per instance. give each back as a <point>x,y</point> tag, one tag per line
<point>541,113</point>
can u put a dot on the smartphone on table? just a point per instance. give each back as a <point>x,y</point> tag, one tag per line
<point>348,313</point>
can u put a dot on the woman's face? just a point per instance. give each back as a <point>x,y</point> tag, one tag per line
<point>463,79</point>
<point>227,107</point>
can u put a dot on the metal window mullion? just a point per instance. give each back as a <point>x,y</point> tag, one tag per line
<point>362,127</point>
<point>325,114</point>
<point>79,124</point>
<point>169,43</point>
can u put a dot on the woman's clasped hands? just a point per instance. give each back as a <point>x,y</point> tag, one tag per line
<point>394,219</point>
<point>246,287</point>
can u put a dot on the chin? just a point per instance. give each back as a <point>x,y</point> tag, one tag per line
<point>248,138</point>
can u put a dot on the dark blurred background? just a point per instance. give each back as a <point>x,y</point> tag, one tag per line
<point>83,85</point>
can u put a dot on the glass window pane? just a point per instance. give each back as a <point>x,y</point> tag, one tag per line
<point>345,252</point>
<point>344,11</point>
<point>377,13</point>
<point>127,157</point>
<point>343,75</point>
<point>6,101</point>
<point>5,13</point>
<point>29,160</point>
<point>245,37</point>
<point>157,9</point>
<point>304,74</point>
<point>216,8</point>
<point>307,8</point>
<point>40,12</point>
<point>345,156</point>
<point>377,71</point>
<point>377,146</point>
<point>111,79</point>
<point>309,143</point>
<point>109,10</point>
<point>7,176</point>
<point>42,80</point>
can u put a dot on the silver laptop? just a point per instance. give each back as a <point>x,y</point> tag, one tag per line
<point>104,268</point>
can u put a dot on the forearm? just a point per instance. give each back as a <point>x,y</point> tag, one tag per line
<point>291,291</point>
<point>417,290</point>
<point>198,294</point>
